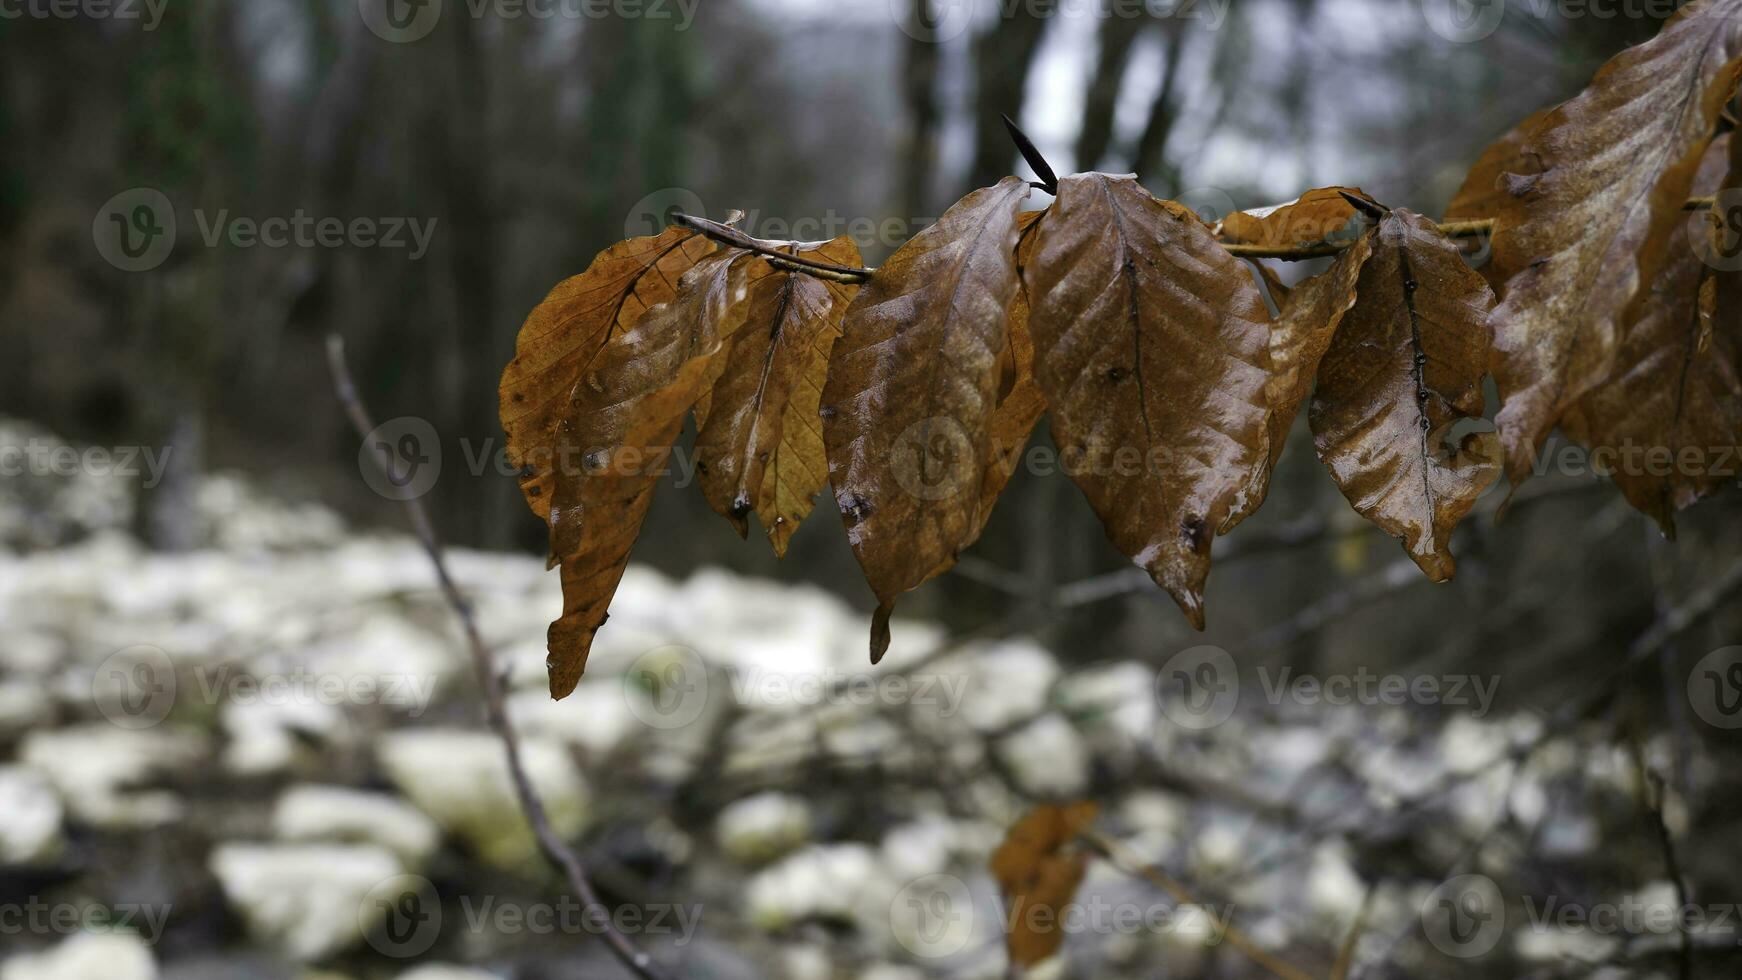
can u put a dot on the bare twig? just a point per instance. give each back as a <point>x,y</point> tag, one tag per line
<point>560,855</point>
<point>1477,228</point>
<point>727,235</point>
<point>1665,840</point>
<point>1346,955</point>
<point>1122,858</point>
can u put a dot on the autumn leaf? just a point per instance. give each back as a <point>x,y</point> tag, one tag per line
<point>1038,872</point>
<point>913,388</point>
<point>626,410</point>
<point>1588,227</point>
<point>1404,367</point>
<point>1666,427</point>
<point>1725,243</point>
<point>1481,196</point>
<point>1020,402</point>
<point>1299,337</point>
<point>1152,351</point>
<point>759,444</point>
<point>564,334</point>
<point>1482,193</point>
<point>1311,218</point>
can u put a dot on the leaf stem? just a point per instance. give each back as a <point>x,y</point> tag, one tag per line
<point>1476,228</point>
<point>728,235</point>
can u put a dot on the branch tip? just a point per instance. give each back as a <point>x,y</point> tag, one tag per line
<point>1049,180</point>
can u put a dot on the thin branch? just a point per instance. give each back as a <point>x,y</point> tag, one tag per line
<point>1666,840</point>
<point>1122,858</point>
<point>1346,955</point>
<point>727,235</point>
<point>555,849</point>
<point>1451,229</point>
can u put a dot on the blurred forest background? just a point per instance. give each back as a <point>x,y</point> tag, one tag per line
<point>532,143</point>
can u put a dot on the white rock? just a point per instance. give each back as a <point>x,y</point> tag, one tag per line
<point>30,833</point>
<point>1334,890</point>
<point>267,738</point>
<point>341,814</point>
<point>841,881</point>
<point>308,900</point>
<point>763,827</point>
<point>86,956</point>
<point>460,779</point>
<point>596,717</point>
<point>1006,682</point>
<point>92,767</point>
<point>1552,944</point>
<point>443,971</point>
<point>1119,698</point>
<point>1048,757</point>
<point>24,705</point>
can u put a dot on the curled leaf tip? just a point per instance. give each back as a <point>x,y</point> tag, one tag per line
<point>1371,209</point>
<point>1049,181</point>
<point>880,632</point>
<point>1191,602</point>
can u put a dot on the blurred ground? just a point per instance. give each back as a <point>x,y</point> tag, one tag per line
<point>265,756</point>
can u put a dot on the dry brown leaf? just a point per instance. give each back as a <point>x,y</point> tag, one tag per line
<point>1299,338</point>
<point>1404,367</point>
<point>1020,402</point>
<point>759,442</point>
<point>1311,218</point>
<point>912,391</point>
<point>1482,193</point>
<point>1152,350</point>
<point>563,334</point>
<point>1666,427</point>
<point>1480,197</point>
<point>1038,872</point>
<point>1588,229</point>
<point>626,411</point>
<point>1726,243</point>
